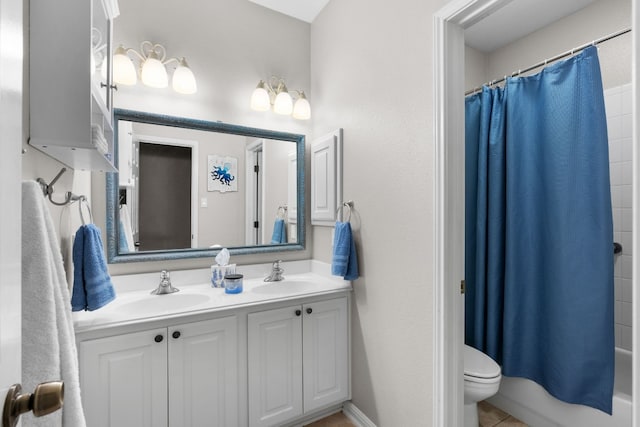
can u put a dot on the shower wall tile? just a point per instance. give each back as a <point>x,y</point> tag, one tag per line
<point>619,126</point>
<point>627,290</point>
<point>613,101</point>
<point>618,312</point>
<point>625,337</point>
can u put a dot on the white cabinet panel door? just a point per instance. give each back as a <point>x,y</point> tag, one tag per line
<point>326,353</point>
<point>124,380</point>
<point>203,374</point>
<point>275,366</point>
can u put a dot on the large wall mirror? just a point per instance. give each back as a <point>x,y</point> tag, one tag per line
<point>187,188</point>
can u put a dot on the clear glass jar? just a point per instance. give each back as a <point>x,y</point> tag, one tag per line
<point>233,283</point>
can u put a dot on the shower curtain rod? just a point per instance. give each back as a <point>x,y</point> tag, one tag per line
<point>553,59</point>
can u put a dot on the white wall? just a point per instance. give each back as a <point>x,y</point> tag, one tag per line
<point>476,68</point>
<point>371,65</point>
<point>230,45</point>
<point>594,21</point>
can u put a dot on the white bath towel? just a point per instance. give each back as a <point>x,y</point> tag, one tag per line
<point>48,340</point>
<point>125,217</point>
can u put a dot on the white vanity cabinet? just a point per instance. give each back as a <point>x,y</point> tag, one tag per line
<point>298,360</point>
<point>203,374</point>
<point>70,81</point>
<point>180,376</point>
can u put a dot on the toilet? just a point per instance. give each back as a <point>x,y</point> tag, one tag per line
<point>481,381</point>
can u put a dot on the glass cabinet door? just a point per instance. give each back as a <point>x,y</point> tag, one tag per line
<point>101,53</point>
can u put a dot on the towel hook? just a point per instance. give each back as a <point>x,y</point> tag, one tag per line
<point>349,206</point>
<point>47,190</point>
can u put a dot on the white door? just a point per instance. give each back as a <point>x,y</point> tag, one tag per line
<point>275,366</point>
<point>203,374</point>
<point>11,54</point>
<point>326,353</point>
<point>124,380</point>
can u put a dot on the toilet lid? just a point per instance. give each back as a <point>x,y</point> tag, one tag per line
<point>479,365</point>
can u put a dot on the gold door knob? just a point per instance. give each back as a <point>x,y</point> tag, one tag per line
<point>46,398</point>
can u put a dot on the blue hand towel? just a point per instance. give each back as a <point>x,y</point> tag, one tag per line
<point>92,287</point>
<point>345,259</point>
<point>279,232</point>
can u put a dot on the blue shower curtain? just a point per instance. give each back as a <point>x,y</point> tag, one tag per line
<point>539,231</point>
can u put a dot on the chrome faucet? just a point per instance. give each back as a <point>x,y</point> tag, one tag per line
<point>276,273</point>
<point>165,286</point>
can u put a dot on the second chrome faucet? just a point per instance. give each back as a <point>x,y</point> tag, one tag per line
<point>276,272</point>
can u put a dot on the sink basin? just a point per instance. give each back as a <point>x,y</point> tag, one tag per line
<point>286,287</point>
<point>163,303</point>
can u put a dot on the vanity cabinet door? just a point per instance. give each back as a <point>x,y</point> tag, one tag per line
<point>203,373</point>
<point>124,381</point>
<point>275,366</point>
<point>325,353</point>
<point>298,360</point>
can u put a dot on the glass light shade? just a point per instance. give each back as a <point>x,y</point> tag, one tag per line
<point>183,79</point>
<point>124,72</point>
<point>283,103</point>
<point>260,100</point>
<point>153,72</point>
<point>302,108</point>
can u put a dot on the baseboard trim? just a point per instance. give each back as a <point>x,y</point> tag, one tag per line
<point>356,415</point>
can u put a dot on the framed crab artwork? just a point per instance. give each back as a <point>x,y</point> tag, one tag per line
<point>222,173</point>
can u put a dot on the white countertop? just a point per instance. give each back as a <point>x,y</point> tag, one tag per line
<point>134,303</point>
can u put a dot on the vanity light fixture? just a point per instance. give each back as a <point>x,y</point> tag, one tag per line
<point>153,71</point>
<point>275,93</point>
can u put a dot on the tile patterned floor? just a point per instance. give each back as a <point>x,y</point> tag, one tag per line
<point>490,416</point>
<point>336,420</point>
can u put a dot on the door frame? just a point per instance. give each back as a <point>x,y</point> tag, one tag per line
<point>11,134</point>
<point>253,197</point>
<point>448,226</point>
<point>149,139</point>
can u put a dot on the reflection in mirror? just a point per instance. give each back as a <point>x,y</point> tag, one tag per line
<point>187,188</point>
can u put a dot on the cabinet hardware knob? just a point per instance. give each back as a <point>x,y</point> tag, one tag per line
<point>309,310</point>
<point>46,398</point>
<point>298,312</point>
<point>176,334</point>
<point>158,338</point>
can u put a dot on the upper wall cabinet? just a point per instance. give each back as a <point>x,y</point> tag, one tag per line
<point>70,82</point>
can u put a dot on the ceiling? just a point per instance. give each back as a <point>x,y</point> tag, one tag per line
<point>305,10</point>
<point>516,20</point>
<point>493,32</point>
